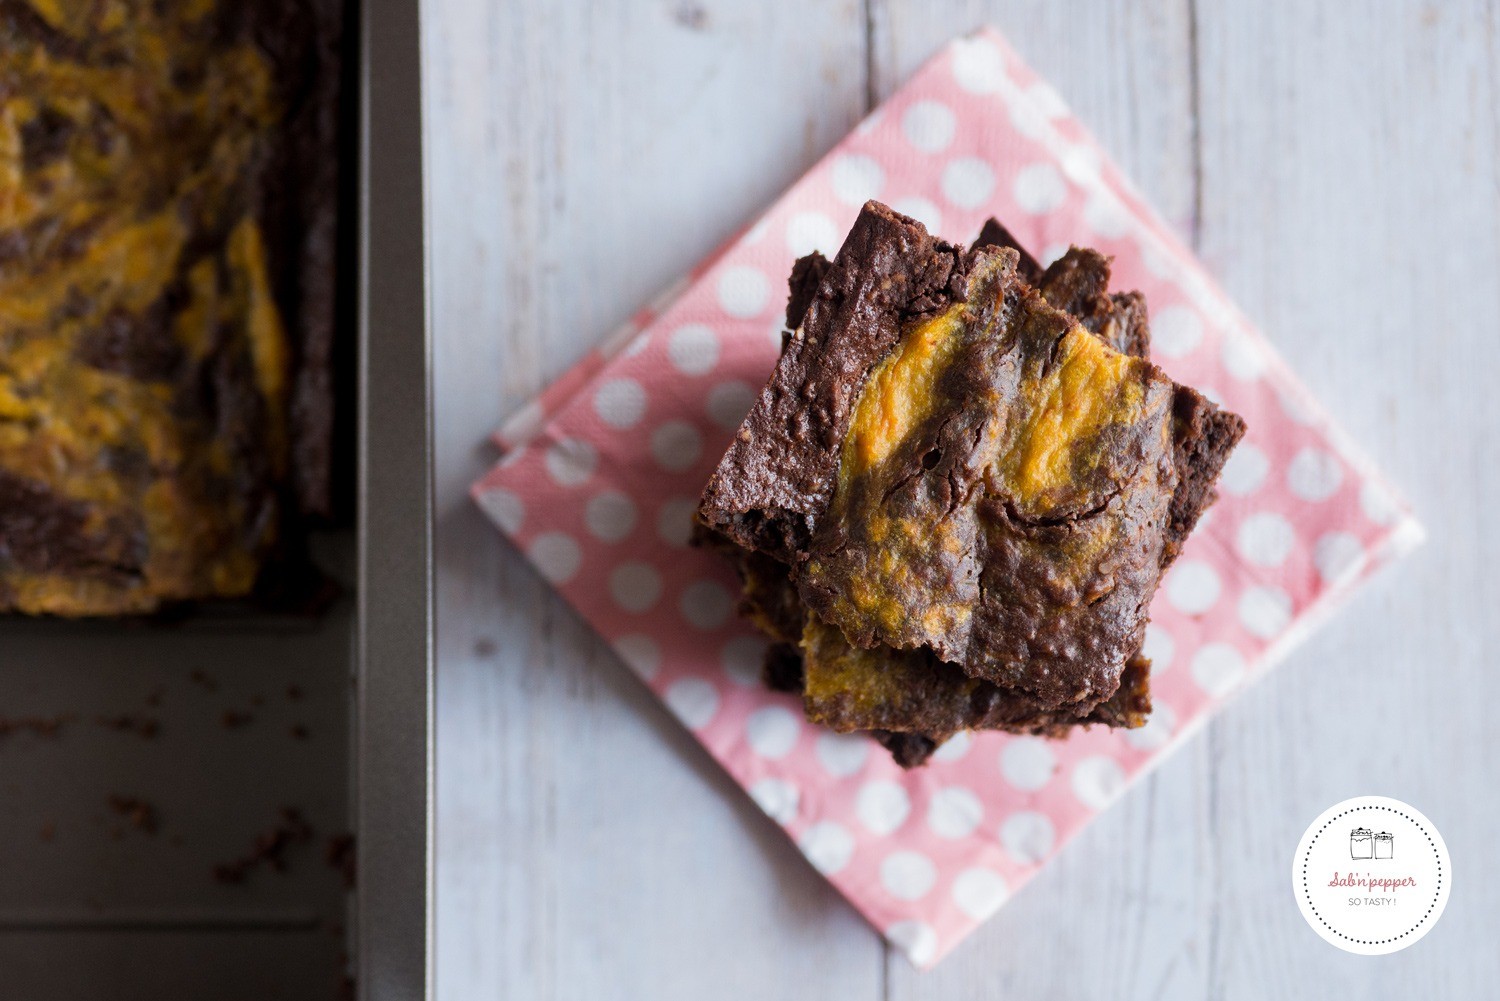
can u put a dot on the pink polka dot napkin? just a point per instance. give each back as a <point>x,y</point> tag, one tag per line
<point>601,473</point>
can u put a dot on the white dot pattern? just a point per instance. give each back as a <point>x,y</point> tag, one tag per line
<point>570,462</point>
<point>620,403</point>
<point>908,875</point>
<point>742,658</point>
<point>856,179</point>
<point>1039,188</point>
<point>923,211</point>
<point>979,893</point>
<point>842,754</point>
<point>1245,470</point>
<point>1175,331</point>
<point>772,732</point>
<point>1314,475</point>
<point>1265,611</point>
<point>635,587</point>
<point>676,445</point>
<point>706,604</point>
<point>610,515</point>
<point>1266,539</point>
<point>954,812</point>
<point>504,507</point>
<point>977,66</point>
<point>967,182</point>
<point>1218,668</point>
<point>743,292</point>
<point>641,654</point>
<point>1097,781</point>
<point>1193,587</point>
<point>729,402</point>
<point>1338,556</point>
<point>693,349</point>
<point>810,231</point>
<point>916,939</point>
<point>556,555</point>
<point>929,126</point>
<point>1028,763</point>
<point>882,806</point>
<point>828,846</point>
<point>1028,836</point>
<point>778,798</point>
<point>693,701</point>
<point>674,522</point>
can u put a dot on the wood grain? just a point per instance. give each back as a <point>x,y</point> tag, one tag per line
<point>1337,172</point>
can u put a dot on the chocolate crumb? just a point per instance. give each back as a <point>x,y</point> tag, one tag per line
<point>339,853</point>
<point>233,719</point>
<point>48,831</point>
<point>154,699</point>
<point>269,849</point>
<point>140,814</point>
<point>691,16</point>
<point>299,731</point>
<point>143,726</point>
<point>293,693</point>
<point>41,726</point>
<point>202,680</point>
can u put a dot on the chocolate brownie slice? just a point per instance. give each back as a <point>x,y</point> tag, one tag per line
<point>872,686</point>
<point>947,462</point>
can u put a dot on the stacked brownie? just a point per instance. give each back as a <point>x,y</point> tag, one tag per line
<point>954,499</point>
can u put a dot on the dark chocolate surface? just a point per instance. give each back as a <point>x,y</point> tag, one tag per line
<point>1069,640</point>
<point>169,282</point>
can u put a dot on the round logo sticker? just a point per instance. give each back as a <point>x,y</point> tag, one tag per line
<point>1371,875</point>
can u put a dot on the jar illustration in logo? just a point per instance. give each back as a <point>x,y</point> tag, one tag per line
<point>1360,845</point>
<point>1384,845</point>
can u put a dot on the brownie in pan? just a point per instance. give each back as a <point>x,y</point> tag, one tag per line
<point>168,233</point>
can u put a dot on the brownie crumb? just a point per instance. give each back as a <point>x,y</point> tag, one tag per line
<point>143,726</point>
<point>203,681</point>
<point>154,698</point>
<point>41,726</point>
<point>339,854</point>
<point>298,731</point>
<point>257,700</point>
<point>138,812</point>
<point>691,16</point>
<point>293,693</point>
<point>48,831</point>
<point>233,719</point>
<point>269,849</point>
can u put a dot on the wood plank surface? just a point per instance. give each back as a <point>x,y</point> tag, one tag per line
<point>1338,173</point>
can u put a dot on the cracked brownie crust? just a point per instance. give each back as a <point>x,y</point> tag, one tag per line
<point>964,480</point>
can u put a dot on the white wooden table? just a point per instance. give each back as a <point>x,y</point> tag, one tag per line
<point>1337,170</point>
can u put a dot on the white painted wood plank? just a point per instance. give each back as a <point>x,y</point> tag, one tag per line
<point>1350,202</point>
<point>582,157</point>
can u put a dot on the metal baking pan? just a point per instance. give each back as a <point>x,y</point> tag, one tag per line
<point>393,747</point>
<point>136,757</point>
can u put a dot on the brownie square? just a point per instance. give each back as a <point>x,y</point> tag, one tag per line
<point>968,486</point>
